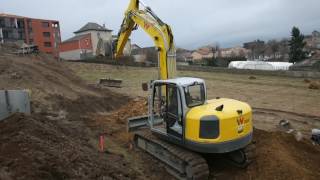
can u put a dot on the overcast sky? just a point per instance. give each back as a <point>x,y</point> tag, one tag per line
<point>194,23</point>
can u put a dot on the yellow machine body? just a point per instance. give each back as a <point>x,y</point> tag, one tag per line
<point>232,125</point>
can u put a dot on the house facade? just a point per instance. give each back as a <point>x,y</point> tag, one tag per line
<point>232,52</point>
<point>146,55</point>
<point>127,48</point>
<point>135,46</point>
<point>313,40</point>
<point>202,53</point>
<point>183,55</point>
<point>40,32</point>
<point>76,48</point>
<point>89,41</point>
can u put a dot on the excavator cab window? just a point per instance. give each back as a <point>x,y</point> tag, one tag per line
<point>195,95</point>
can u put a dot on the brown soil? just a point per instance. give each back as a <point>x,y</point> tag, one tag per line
<point>279,156</point>
<point>59,140</point>
<point>38,148</point>
<point>55,141</point>
<point>314,85</point>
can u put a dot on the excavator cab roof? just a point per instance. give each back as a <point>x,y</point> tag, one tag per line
<point>182,81</point>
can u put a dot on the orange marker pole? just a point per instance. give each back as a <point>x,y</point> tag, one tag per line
<point>101,143</point>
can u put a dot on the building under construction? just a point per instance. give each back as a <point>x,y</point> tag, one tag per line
<point>43,33</point>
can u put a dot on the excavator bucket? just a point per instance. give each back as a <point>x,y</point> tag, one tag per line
<point>110,82</point>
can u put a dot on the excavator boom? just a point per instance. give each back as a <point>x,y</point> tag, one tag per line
<point>159,31</point>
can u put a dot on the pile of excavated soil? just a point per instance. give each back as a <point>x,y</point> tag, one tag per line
<point>279,156</point>
<point>50,82</point>
<point>37,148</point>
<point>55,142</point>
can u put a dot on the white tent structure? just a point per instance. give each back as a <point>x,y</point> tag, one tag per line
<point>281,65</point>
<point>260,65</point>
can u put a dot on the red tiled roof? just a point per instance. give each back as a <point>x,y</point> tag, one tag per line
<point>204,51</point>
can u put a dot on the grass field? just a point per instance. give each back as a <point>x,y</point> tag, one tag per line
<point>280,93</point>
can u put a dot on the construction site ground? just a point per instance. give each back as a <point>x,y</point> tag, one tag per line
<point>60,139</point>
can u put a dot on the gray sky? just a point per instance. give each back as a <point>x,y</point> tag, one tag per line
<point>194,23</point>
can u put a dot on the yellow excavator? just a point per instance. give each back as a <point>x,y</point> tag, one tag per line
<point>182,124</point>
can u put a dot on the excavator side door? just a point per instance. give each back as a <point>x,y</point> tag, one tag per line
<point>173,112</point>
<point>167,108</point>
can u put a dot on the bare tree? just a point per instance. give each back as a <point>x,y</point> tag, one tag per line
<point>273,46</point>
<point>284,49</point>
<point>242,53</point>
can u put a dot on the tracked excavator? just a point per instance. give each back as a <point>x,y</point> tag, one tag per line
<point>182,124</point>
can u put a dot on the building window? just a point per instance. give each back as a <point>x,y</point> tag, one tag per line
<point>5,34</point>
<point>45,24</point>
<point>46,34</point>
<point>2,23</point>
<point>47,44</point>
<point>55,25</point>
<point>29,23</point>
<point>20,23</point>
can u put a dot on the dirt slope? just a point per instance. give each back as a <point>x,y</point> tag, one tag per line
<point>38,148</point>
<point>55,141</point>
<point>279,156</point>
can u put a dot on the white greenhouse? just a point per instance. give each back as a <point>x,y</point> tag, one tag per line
<point>260,65</point>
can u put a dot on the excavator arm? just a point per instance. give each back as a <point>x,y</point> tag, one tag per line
<point>160,33</point>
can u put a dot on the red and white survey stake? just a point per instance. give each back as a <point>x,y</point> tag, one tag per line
<point>101,143</point>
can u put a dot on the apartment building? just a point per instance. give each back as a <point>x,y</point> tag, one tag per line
<point>43,33</point>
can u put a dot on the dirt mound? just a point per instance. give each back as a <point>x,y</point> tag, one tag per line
<point>38,148</point>
<point>55,142</point>
<point>50,82</point>
<point>314,85</point>
<point>8,48</point>
<point>279,156</point>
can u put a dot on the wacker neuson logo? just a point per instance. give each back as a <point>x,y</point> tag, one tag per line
<point>240,122</point>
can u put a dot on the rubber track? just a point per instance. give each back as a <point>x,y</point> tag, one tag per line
<point>250,152</point>
<point>250,155</point>
<point>196,164</point>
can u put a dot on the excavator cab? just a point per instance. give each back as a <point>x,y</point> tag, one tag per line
<point>169,102</point>
<point>180,112</point>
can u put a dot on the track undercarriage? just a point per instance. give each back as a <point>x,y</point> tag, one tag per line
<point>185,164</point>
